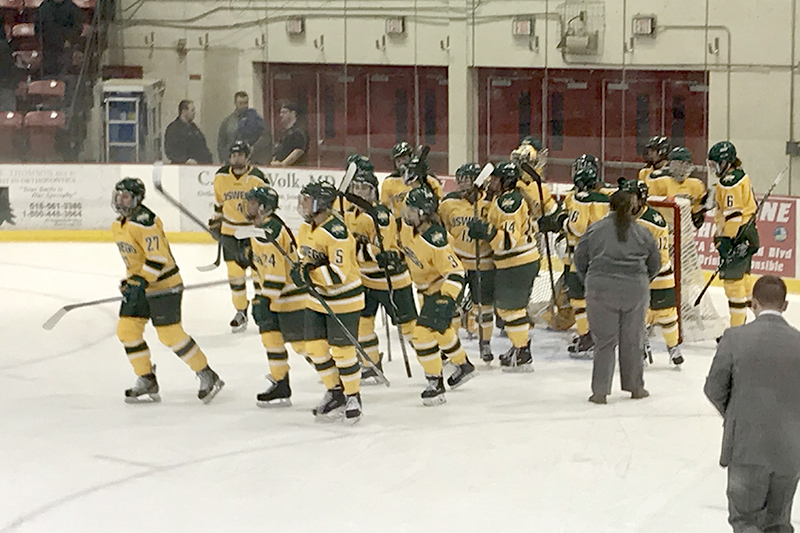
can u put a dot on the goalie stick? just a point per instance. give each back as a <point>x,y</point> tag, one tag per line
<point>751,222</point>
<point>51,322</point>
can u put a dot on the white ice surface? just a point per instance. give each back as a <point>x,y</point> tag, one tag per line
<point>505,453</point>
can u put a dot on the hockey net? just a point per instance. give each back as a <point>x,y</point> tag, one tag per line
<point>696,323</point>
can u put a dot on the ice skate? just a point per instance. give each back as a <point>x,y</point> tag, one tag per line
<point>582,347</point>
<point>434,392</point>
<point>278,394</point>
<point>464,372</point>
<point>352,409</point>
<point>146,385</point>
<point>368,374</point>
<point>675,355</point>
<point>239,322</point>
<point>332,404</point>
<point>210,384</point>
<point>486,352</point>
<point>520,360</point>
<point>505,357</point>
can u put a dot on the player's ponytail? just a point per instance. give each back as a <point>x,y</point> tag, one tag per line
<point>622,207</point>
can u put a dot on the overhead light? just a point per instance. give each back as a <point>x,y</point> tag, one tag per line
<point>522,26</point>
<point>644,25</point>
<point>296,25</point>
<point>395,25</point>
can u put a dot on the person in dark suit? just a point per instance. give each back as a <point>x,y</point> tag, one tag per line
<point>184,143</point>
<point>754,382</point>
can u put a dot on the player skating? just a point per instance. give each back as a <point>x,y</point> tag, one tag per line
<point>150,267</point>
<point>439,277</point>
<point>231,183</point>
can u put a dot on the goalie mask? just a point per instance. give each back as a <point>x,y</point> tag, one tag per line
<point>721,158</point>
<point>680,163</point>
<point>315,198</point>
<point>127,196</point>
<point>528,153</point>
<point>261,203</point>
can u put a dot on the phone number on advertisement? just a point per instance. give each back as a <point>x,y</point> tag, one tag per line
<point>54,210</point>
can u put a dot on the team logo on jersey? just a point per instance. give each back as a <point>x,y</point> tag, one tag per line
<point>438,238</point>
<point>658,218</point>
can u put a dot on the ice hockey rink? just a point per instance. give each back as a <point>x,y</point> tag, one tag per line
<point>523,452</point>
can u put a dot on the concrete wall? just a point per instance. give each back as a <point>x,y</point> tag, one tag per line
<point>750,61</point>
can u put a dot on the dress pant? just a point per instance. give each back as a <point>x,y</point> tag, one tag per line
<point>616,320</point>
<point>760,501</point>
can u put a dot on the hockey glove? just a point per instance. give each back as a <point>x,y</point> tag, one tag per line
<point>133,289</point>
<point>260,311</point>
<point>244,255</point>
<point>215,227</point>
<point>390,261</point>
<point>316,260</point>
<point>298,275</point>
<point>699,218</point>
<point>438,313</point>
<point>552,223</point>
<point>748,234</point>
<point>480,230</point>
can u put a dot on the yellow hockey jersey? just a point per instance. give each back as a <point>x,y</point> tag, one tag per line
<point>272,269</point>
<point>456,211</point>
<point>644,173</point>
<point>433,264</point>
<point>229,192</point>
<point>657,226</point>
<point>394,190</point>
<point>735,202</point>
<point>338,282</point>
<point>143,246</point>
<point>662,184</point>
<point>531,189</point>
<point>514,243</point>
<point>584,208</point>
<point>362,226</point>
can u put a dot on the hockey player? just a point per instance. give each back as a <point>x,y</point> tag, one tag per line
<point>375,265</point>
<point>583,206</point>
<point>329,267</point>
<point>735,237</point>
<point>231,183</point>
<point>410,172</point>
<point>675,181</point>
<point>456,210</point>
<point>279,307</point>
<point>663,311</point>
<point>510,231</point>
<point>150,267</point>
<point>655,156</point>
<point>439,278</point>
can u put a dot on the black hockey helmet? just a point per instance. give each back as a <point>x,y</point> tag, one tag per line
<point>584,161</point>
<point>322,195</point>
<point>585,178</point>
<point>508,173</point>
<point>635,187</point>
<point>660,146</point>
<point>133,186</point>
<point>362,162</point>
<point>402,149</point>
<point>240,147</point>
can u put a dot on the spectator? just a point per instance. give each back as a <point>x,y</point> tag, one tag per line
<point>292,147</point>
<point>753,383</point>
<point>58,26</point>
<point>184,143</point>
<point>244,124</point>
<point>8,98</point>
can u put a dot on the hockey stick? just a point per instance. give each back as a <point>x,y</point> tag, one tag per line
<point>484,174</point>
<point>362,355</point>
<point>750,222</point>
<point>51,322</point>
<point>388,335</point>
<point>535,175</point>
<point>369,209</point>
<point>215,264</point>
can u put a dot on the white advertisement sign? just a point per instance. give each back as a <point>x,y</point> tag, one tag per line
<point>54,197</point>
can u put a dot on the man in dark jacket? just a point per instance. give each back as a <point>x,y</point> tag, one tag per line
<point>753,383</point>
<point>244,124</point>
<point>292,147</point>
<point>184,143</point>
<point>58,26</point>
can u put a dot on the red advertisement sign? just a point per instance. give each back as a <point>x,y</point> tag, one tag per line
<point>778,233</point>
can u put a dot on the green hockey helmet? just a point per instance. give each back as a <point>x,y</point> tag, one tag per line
<point>508,174</point>
<point>362,162</point>
<point>585,178</point>
<point>127,196</point>
<point>266,197</point>
<point>721,157</point>
<point>680,153</point>
<point>314,198</point>
<point>584,161</point>
<point>635,187</point>
<point>423,199</point>
<point>680,163</point>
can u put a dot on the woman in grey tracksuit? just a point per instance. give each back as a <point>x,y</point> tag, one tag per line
<point>616,259</point>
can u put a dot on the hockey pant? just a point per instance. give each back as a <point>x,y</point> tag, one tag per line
<point>333,355</point>
<point>577,299</point>
<point>664,313</point>
<point>406,315</point>
<point>739,293</point>
<point>428,343</point>
<point>485,298</point>
<point>236,253</point>
<point>511,300</point>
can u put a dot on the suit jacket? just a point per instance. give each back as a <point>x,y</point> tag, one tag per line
<point>754,382</point>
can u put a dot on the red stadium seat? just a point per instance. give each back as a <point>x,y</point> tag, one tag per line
<point>49,93</point>
<point>42,128</point>
<point>23,30</point>
<point>23,37</point>
<point>12,4</point>
<point>32,4</point>
<point>10,127</point>
<point>85,4</point>
<point>29,60</point>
